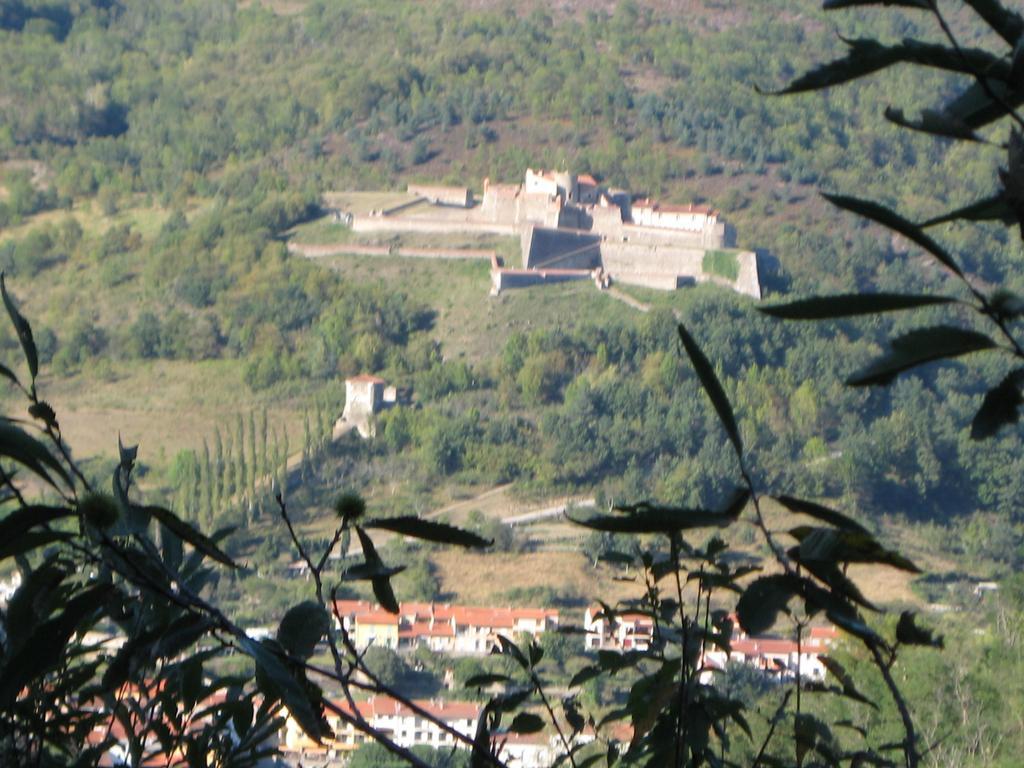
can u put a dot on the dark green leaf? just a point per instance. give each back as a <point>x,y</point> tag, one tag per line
<point>817,511</point>
<point>526,722</point>
<point>849,689</point>
<point>651,518</point>
<point>385,594</point>
<point>585,674</point>
<point>713,387</point>
<point>429,531</point>
<point>507,648</point>
<point>908,633</point>
<point>20,447</point>
<point>187,533</point>
<point>650,695</point>
<point>976,108</point>
<point>1007,24</point>
<point>1000,407</point>
<point>284,686</point>
<point>26,542</point>
<point>888,218</point>
<point>869,56</point>
<point>993,208</point>
<point>924,345</point>
<point>7,373</point>
<point>847,305</point>
<point>486,680</point>
<point>853,624</point>
<point>764,598</point>
<point>832,5</point>
<point>302,627</point>
<point>381,582</point>
<point>23,329</point>
<point>368,571</point>
<point>837,546</point>
<point>47,645</point>
<point>21,520</point>
<point>934,123</point>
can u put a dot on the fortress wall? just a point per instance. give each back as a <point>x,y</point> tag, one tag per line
<point>506,279</point>
<point>446,253</point>
<point>625,258</point>
<point>558,249</point>
<point>749,281</point>
<point>661,282</point>
<point>654,236</point>
<point>319,251</point>
<point>388,224</point>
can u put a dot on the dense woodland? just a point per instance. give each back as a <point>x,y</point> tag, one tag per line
<point>223,126</point>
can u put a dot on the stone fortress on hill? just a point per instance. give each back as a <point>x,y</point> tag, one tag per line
<point>573,228</point>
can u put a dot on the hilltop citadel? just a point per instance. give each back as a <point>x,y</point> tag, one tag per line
<point>572,228</point>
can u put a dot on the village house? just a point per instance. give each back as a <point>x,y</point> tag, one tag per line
<point>775,655</point>
<point>443,628</point>
<point>629,631</point>
<point>394,719</point>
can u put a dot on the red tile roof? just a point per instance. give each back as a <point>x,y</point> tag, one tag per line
<point>365,378</point>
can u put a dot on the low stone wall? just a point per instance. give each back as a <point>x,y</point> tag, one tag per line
<point>506,279</point>
<point>337,249</point>
<point>390,224</point>
<point>446,253</point>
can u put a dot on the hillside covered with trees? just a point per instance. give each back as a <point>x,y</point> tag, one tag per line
<point>155,158</point>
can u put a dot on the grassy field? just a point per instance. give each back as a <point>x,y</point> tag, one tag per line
<point>470,323</point>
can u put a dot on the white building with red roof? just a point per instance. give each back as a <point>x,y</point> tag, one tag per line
<point>441,627</point>
<point>626,631</point>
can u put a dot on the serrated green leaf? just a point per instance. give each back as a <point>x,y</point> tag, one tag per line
<point>868,56</point>
<point>713,388</point>
<point>994,208</point>
<point>908,633</point>
<point>428,530</point>
<point>508,648</point>
<point>934,123</point>
<point>381,581</point>
<point>892,220</point>
<point>31,540</point>
<point>925,345</point>
<point>21,520</point>
<point>763,600</point>
<point>22,448</point>
<point>849,305</point>
<point>831,545</point>
<point>819,512</point>
<point>526,722</point>
<point>1007,24</point>
<point>302,628</point>
<point>1000,407</point>
<point>23,329</point>
<point>486,680</point>
<point>284,686</point>
<point>8,374</point>
<point>46,646</point>
<point>832,5</point>
<point>849,688</point>
<point>187,533</point>
<point>653,518</point>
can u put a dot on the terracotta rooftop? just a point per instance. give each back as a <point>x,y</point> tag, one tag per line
<point>366,378</point>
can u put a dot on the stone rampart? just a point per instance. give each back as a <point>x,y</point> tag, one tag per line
<point>625,258</point>
<point>391,224</point>
<point>320,251</point>
<point>506,279</point>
